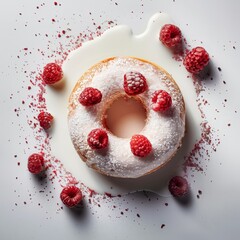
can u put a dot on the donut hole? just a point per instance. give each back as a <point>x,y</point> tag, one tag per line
<point>125,116</point>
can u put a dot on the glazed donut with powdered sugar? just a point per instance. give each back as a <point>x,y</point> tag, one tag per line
<point>105,95</point>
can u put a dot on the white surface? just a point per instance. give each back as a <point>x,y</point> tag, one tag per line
<point>215,215</point>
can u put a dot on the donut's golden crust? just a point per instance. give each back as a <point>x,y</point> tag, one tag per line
<point>89,74</point>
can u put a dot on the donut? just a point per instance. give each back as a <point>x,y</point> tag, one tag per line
<point>161,134</point>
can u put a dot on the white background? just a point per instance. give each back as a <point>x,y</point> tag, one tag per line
<point>31,209</point>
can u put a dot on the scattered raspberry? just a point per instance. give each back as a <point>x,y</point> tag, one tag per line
<point>134,83</point>
<point>170,35</point>
<point>35,163</point>
<point>45,120</point>
<point>52,73</point>
<point>71,196</point>
<point>90,96</point>
<point>97,139</point>
<point>178,186</point>
<point>140,145</point>
<point>161,101</point>
<point>196,60</point>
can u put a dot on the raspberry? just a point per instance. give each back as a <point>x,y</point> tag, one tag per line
<point>196,60</point>
<point>35,163</point>
<point>140,145</point>
<point>52,73</point>
<point>45,120</point>
<point>178,186</point>
<point>71,196</point>
<point>90,96</point>
<point>134,83</point>
<point>170,35</point>
<point>161,101</point>
<point>97,139</point>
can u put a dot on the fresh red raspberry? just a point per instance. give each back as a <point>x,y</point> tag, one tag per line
<point>45,120</point>
<point>140,145</point>
<point>196,60</point>
<point>71,196</point>
<point>90,96</point>
<point>52,73</point>
<point>170,35</point>
<point>134,83</point>
<point>161,101</point>
<point>35,163</point>
<point>178,186</point>
<point>97,139</point>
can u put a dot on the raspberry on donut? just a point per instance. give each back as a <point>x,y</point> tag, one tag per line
<point>97,139</point>
<point>134,83</point>
<point>140,145</point>
<point>90,96</point>
<point>161,101</point>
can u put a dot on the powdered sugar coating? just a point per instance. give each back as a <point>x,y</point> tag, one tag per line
<point>164,130</point>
